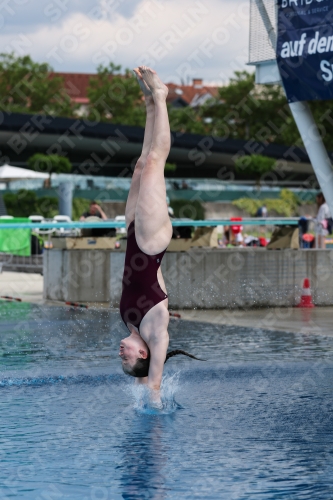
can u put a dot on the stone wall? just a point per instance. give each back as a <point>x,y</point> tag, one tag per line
<point>199,278</point>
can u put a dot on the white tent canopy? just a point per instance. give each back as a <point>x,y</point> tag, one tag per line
<point>9,173</point>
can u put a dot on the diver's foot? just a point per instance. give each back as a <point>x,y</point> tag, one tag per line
<point>153,82</point>
<point>144,87</point>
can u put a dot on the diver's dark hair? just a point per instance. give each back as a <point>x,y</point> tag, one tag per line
<point>179,351</point>
<point>141,367</point>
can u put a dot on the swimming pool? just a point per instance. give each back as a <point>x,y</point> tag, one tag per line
<point>253,422</point>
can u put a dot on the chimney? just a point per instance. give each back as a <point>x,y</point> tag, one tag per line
<point>197,83</point>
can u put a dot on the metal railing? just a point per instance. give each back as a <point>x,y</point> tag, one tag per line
<point>258,221</point>
<point>34,263</point>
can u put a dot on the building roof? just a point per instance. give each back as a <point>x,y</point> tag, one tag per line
<point>193,95</point>
<point>76,85</point>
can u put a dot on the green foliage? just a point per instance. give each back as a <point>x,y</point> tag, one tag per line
<point>80,205</point>
<point>281,207</point>
<point>26,86</point>
<point>190,209</point>
<point>256,165</point>
<point>244,110</point>
<point>115,98</point>
<point>170,167</point>
<point>51,164</point>
<point>290,198</point>
<point>286,205</point>
<point>188,120</point>
<point>25,203</point>
<point>248,205</point>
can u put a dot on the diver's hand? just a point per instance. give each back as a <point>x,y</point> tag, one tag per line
<point>155,399</point>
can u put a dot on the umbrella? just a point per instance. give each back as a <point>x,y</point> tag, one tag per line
<point>9,173</point>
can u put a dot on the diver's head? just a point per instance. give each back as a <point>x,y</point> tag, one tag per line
<point>135,355</point>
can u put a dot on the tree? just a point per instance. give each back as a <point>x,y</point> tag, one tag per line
<point>115,98</point>
<point>244,110</point>
<point>51,164</point>
<point>26,87</point>
<point>255,165</point>
<point>25,203</point>
<point>187,120</point>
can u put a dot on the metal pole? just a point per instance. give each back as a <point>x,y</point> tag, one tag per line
<point>315,148</point>
<point>65,193</point>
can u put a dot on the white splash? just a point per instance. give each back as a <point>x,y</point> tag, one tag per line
<point>142,401</point>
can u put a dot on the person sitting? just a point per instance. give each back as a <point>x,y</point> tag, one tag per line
<point>322,220</point>
<point>94,211</point>
<point>262,211</point>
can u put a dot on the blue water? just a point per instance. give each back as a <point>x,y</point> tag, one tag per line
<point>253,422</point>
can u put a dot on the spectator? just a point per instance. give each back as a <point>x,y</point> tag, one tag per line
<point>184,185</point>
<point>262,211</point>
<point>94,210</point>
<point>226,236</point>
<point>322,221</point>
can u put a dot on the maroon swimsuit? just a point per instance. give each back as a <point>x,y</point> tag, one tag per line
<point>141,290</point>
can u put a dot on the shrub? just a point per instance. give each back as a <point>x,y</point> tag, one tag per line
<point>256,165</point>
<point>286,205</point>
<point>248,205</point>
<point>188,209</point>
<point>170,167</point>
<point>25,203</point>
<point>80,205</point>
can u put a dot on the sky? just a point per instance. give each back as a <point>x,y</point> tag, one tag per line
<point>181,39</point>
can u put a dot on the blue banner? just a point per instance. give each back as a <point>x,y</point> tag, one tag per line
<point>305,49</point>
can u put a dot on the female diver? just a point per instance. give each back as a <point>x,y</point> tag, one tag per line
<point>144,301</point>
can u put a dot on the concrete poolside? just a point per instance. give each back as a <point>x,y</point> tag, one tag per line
<point>26,286</point>
<point>317,321</point>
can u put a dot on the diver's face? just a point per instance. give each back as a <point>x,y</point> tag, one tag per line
<point>129,352</point>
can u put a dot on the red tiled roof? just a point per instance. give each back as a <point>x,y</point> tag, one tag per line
<point>76,85</point>
<point>189,92</point>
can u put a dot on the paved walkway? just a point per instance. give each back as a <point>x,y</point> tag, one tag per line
<point>25,286</point>
<point>317,321</point>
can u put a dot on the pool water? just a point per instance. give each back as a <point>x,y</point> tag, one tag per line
<point>253,422</point>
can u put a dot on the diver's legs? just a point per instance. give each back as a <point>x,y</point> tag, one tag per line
<point>152,222</point>
<point>135,183</point>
